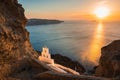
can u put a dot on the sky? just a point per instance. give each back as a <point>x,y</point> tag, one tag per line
<point>69,9</point>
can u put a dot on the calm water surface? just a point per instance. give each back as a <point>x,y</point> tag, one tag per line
<point>78,40</point>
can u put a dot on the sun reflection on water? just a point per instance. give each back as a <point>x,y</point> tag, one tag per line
<point>93,52</point>
<point>96,43</point>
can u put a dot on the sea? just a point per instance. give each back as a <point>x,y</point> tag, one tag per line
<point>78,40</point>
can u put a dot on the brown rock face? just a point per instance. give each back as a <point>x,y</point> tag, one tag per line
<point>17,57</point>
<point>16,62</point>
<point>54,76</point>
<point>14,38</point>
<point>63,60</point>
<point>109,65</point>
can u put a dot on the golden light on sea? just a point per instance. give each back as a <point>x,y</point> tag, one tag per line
<point>96,43</point>
<point>93,50</point>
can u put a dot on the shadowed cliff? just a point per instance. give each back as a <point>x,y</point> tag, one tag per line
<point>14,38</point>
<point>109,65</point>
<point>17,57</point>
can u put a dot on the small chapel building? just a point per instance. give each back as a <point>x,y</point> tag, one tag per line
<point>45,56</point>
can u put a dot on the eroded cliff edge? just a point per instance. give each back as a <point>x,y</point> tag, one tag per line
<point>14,38</point>
<point>15,49</point>
<point>17,57</point>
<point>109,65</point>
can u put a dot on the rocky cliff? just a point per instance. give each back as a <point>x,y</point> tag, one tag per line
<point>14,38</point>
<point>17,57</point>
<point>109,65</point>
<point>63,60</point>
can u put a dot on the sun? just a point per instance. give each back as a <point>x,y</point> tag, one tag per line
<point>101,12</point>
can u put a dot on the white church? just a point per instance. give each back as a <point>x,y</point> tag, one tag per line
<point>46,56</point>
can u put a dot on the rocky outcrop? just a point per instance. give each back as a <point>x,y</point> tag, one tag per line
<point>14,38</point>
<point>34,21</point>
<point>27,68</point>
<point>109,65</point>
<point>17,57</point>
<point>55,76</point>
<point>63,60</point>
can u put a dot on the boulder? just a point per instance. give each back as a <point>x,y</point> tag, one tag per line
<point>109,64</point>
<point>65,61</point>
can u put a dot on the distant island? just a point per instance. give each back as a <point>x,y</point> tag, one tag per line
<point>34,21</point>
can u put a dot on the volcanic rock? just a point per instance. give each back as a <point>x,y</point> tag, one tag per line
<point>109,65</point>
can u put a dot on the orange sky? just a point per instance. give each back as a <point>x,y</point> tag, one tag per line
<point>72,9</point>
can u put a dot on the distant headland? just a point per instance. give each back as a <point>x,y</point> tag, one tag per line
<point>34,21</point>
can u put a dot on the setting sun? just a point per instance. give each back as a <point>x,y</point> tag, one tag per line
<point>101,12</point>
